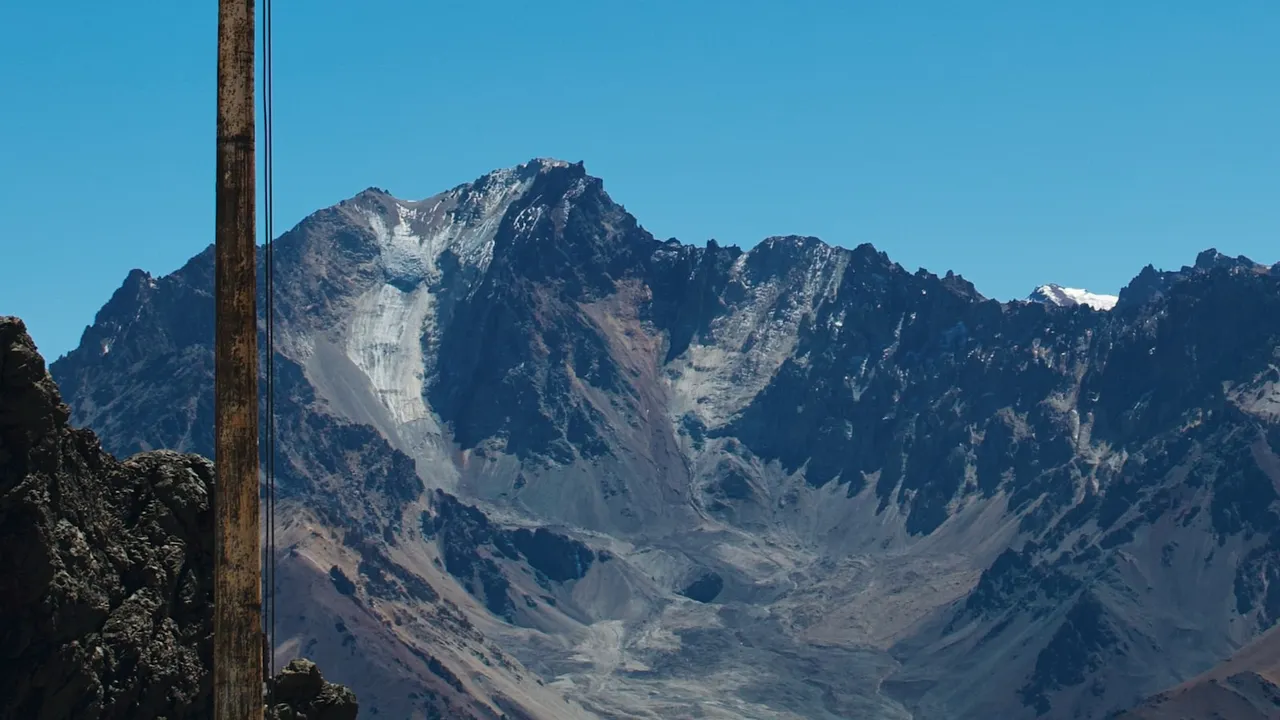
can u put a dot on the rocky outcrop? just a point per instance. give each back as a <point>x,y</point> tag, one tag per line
<point>299,692</point>
<point>106,568</point>
<point>472,545</point>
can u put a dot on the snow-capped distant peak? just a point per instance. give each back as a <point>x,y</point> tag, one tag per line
<point>1069,297</point>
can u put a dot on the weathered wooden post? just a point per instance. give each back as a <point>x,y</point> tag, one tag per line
<point>237,589</point>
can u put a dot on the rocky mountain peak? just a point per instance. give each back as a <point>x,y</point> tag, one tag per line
<point>557,175</point>
<point>31,410</point>
<point>1211,258</point>
<point>960,286</point>
<point>1054,294</point>
<point>416,242</point>
<point>791,243</point>
<point>1151,284</point>
<point>113,318</point>
<point>371,193</point>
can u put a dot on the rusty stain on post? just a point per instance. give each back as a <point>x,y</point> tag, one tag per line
<point>237,589</point>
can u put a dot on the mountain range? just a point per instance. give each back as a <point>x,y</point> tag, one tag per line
<point>537,463</point>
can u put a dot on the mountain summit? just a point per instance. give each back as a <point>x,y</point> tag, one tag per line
<point>569,470</point>
<point>1052,294</point>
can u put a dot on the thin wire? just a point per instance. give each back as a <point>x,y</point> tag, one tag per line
<point>272,273</point>
<point>269,566</point>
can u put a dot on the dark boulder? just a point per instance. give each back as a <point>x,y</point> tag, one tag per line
<point>301,693</point>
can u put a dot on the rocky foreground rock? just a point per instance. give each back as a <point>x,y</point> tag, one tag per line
<point>301,693</point>
<point>106,571</point>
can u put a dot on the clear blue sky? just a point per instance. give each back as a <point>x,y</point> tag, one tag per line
<point>1015,142</point>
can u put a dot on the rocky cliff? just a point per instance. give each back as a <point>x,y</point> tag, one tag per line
<point>795,481</point>
<point>106,569</point>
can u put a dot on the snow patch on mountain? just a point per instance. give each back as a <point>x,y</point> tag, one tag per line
<point>385,343</point>
<point>386,332</point>
<point>1052,294</point>
<point>717,378</point>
